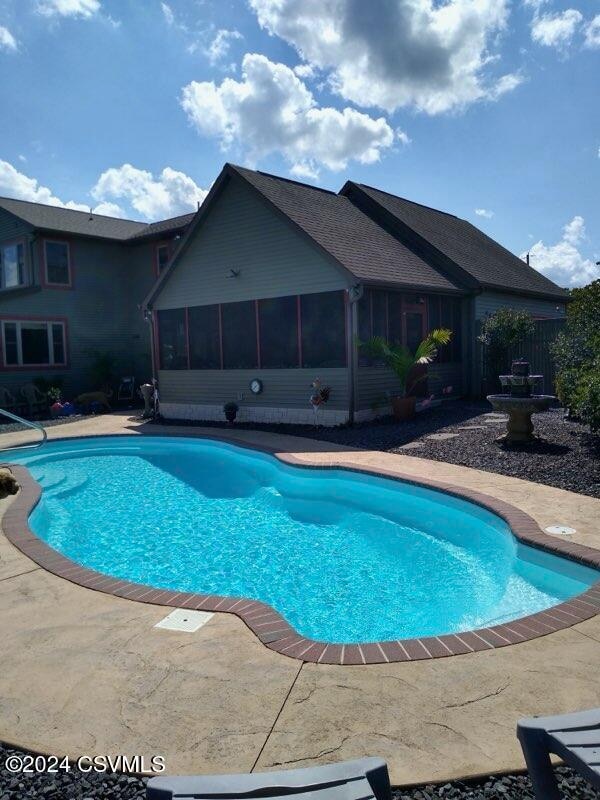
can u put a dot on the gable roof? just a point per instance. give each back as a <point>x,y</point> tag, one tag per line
<point>67,220</point>
<point>82,223</point>
<point>354,240</point>
<point>479,256</point>
<point>336,226</point>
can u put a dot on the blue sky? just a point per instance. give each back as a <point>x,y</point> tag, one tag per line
<point>489,109</point>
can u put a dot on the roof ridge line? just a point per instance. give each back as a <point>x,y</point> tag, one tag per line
<point>284,180</point>
<point>73,210</point>
<point>412,202</point>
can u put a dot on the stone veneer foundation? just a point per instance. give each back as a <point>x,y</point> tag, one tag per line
<point>272,629</point>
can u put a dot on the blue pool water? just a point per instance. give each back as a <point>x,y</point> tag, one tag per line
<point>344,557</point>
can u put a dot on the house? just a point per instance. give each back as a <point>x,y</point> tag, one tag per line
<point>275,280</point>
<point>72,283</point>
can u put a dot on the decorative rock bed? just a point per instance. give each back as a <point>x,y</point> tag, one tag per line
<point>109,786</point>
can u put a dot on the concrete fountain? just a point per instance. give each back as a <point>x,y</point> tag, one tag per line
<point>519,401</point>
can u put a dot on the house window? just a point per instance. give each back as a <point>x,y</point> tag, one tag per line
<point>33,343</point>
<point>162,257</point>
<point>58,263</point>
<point>204,338</point>
<point>12,265</point>
<point>323,326</point>
<point>278,327</point>
<point>172,339</point>
<point>238,322</point>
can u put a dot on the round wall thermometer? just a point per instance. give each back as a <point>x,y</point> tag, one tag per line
<point>256,386</point>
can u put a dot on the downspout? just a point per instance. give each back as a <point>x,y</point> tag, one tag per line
<point>149,319</point>
<point>354,293</point>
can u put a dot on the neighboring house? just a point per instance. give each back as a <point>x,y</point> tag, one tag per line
<point>72,283</point>
<point>275,280</point>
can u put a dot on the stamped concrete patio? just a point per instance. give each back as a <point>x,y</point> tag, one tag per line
<point>87,673</point>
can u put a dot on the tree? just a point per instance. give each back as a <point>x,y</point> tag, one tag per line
<point>576,354</point>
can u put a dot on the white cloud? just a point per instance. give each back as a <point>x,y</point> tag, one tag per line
<point>109,210</point>
<point>556,30</point>
<point>68,8</point>
<point>20,186</point>
<point>168,195</point>
<point>271,110</point>
<point>305,71</point>
<point>219,46</point>
<point>171,193</point>
<point>168,13</point>
<point>420,53</point>
<point>484,212</point>
<point>7,40</point>
<point>592,32</point>
<point>507,83</point>
<point>563,262</point>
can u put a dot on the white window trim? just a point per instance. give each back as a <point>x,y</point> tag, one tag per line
<point>13,243</point>
<point>50,334</point>
<point>47,281</point>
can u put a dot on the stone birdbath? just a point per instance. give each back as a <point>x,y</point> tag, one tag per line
<point>520,402</point>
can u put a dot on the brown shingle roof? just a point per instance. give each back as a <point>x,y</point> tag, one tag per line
<point>165,226</point>
<point>490,264</point>
<point>358,243</point>
<point>82,223</point>
<point>66,220</point>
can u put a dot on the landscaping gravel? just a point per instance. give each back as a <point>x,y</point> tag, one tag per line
<point>566,454</point>
<point>110,786</point>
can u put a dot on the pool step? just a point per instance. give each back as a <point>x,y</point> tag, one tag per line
<point>70,484</point>
<point>51,478</point>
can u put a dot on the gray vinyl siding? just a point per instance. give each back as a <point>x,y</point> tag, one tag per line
<point>242,233</point>
<point>282,388</point>
<point>488,302</point>
<point>100,310</point>
<point>12,227</point>
<point>274,260</point>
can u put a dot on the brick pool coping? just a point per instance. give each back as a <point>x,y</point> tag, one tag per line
<point>273,630</point>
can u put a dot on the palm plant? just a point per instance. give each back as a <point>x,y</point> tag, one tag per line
<point>399,358</point>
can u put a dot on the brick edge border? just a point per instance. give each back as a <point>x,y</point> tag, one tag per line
<point>273,630</point>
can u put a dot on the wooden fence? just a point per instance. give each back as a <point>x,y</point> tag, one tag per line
<point>535,349</point>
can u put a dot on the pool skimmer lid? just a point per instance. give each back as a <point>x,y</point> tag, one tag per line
<point>560,530</point>
<point>183,620</point>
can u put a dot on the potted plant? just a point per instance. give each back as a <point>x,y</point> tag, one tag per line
<point>230,410</point>
<point>54,396</point>
<point>402,362</point>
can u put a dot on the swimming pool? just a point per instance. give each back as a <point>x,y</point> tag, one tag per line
<point>342,556</point>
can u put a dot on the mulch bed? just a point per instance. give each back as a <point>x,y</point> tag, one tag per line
<point>110,786</point>
<point>566,455</point>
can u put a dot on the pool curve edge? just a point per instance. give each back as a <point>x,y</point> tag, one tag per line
<point>274,631</point>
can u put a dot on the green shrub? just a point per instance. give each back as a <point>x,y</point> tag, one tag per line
<point>576,354</point>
